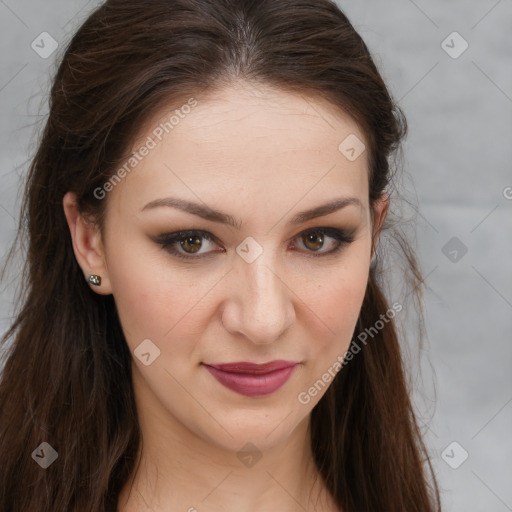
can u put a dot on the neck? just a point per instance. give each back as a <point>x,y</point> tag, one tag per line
<point>180,470</point>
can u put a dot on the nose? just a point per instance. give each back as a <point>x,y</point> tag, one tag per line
<point>259,305</point>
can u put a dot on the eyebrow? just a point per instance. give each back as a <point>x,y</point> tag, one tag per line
<point>210,214</point>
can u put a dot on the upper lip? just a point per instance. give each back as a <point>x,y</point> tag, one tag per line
<point>245,367</point>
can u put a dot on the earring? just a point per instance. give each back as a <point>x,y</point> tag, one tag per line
<point>95,280</point>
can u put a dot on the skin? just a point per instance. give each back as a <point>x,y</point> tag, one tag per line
<point>260,155</point>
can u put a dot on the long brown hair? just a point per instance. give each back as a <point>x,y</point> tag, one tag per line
<point>67,378</point>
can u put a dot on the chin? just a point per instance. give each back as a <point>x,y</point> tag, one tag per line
<point>263,429</point>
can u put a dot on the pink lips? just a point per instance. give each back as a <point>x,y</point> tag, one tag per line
<point>252,379</point>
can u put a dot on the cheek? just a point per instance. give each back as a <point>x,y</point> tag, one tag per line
<point>347,296</point>
<point>159,300</point>
<point>154,301</point>
<point>336,304</point>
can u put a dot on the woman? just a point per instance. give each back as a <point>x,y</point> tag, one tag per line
<point>204,326</point>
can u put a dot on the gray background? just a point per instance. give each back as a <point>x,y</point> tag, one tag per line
<point>458,155</point>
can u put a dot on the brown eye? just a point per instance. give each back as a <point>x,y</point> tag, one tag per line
<point>313,241</point>
<point>193,243</point>
<point>187,244</point>
<point>324,241</point>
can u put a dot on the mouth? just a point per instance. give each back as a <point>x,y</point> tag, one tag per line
<point>251,379</point>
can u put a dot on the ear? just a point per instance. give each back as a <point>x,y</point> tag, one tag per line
<point>380,212</point>
<point>87,245</point>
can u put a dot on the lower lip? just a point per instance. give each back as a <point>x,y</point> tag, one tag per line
<point>251,384</point>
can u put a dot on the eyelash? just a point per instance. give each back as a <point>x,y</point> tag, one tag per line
<point>167,240</point>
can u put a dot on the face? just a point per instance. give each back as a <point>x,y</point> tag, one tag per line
<point>254,279</point>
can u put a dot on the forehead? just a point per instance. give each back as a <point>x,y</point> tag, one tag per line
<point>246,138</point>
<point>266,112</point>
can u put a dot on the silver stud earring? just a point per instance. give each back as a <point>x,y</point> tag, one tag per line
<point>95,280</point>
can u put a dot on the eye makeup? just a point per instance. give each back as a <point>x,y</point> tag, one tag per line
<point>176,243</point>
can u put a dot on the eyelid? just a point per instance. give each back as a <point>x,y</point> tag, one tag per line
<point>169,239</point>
<point>166,240</point>
<point>341,236</point>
